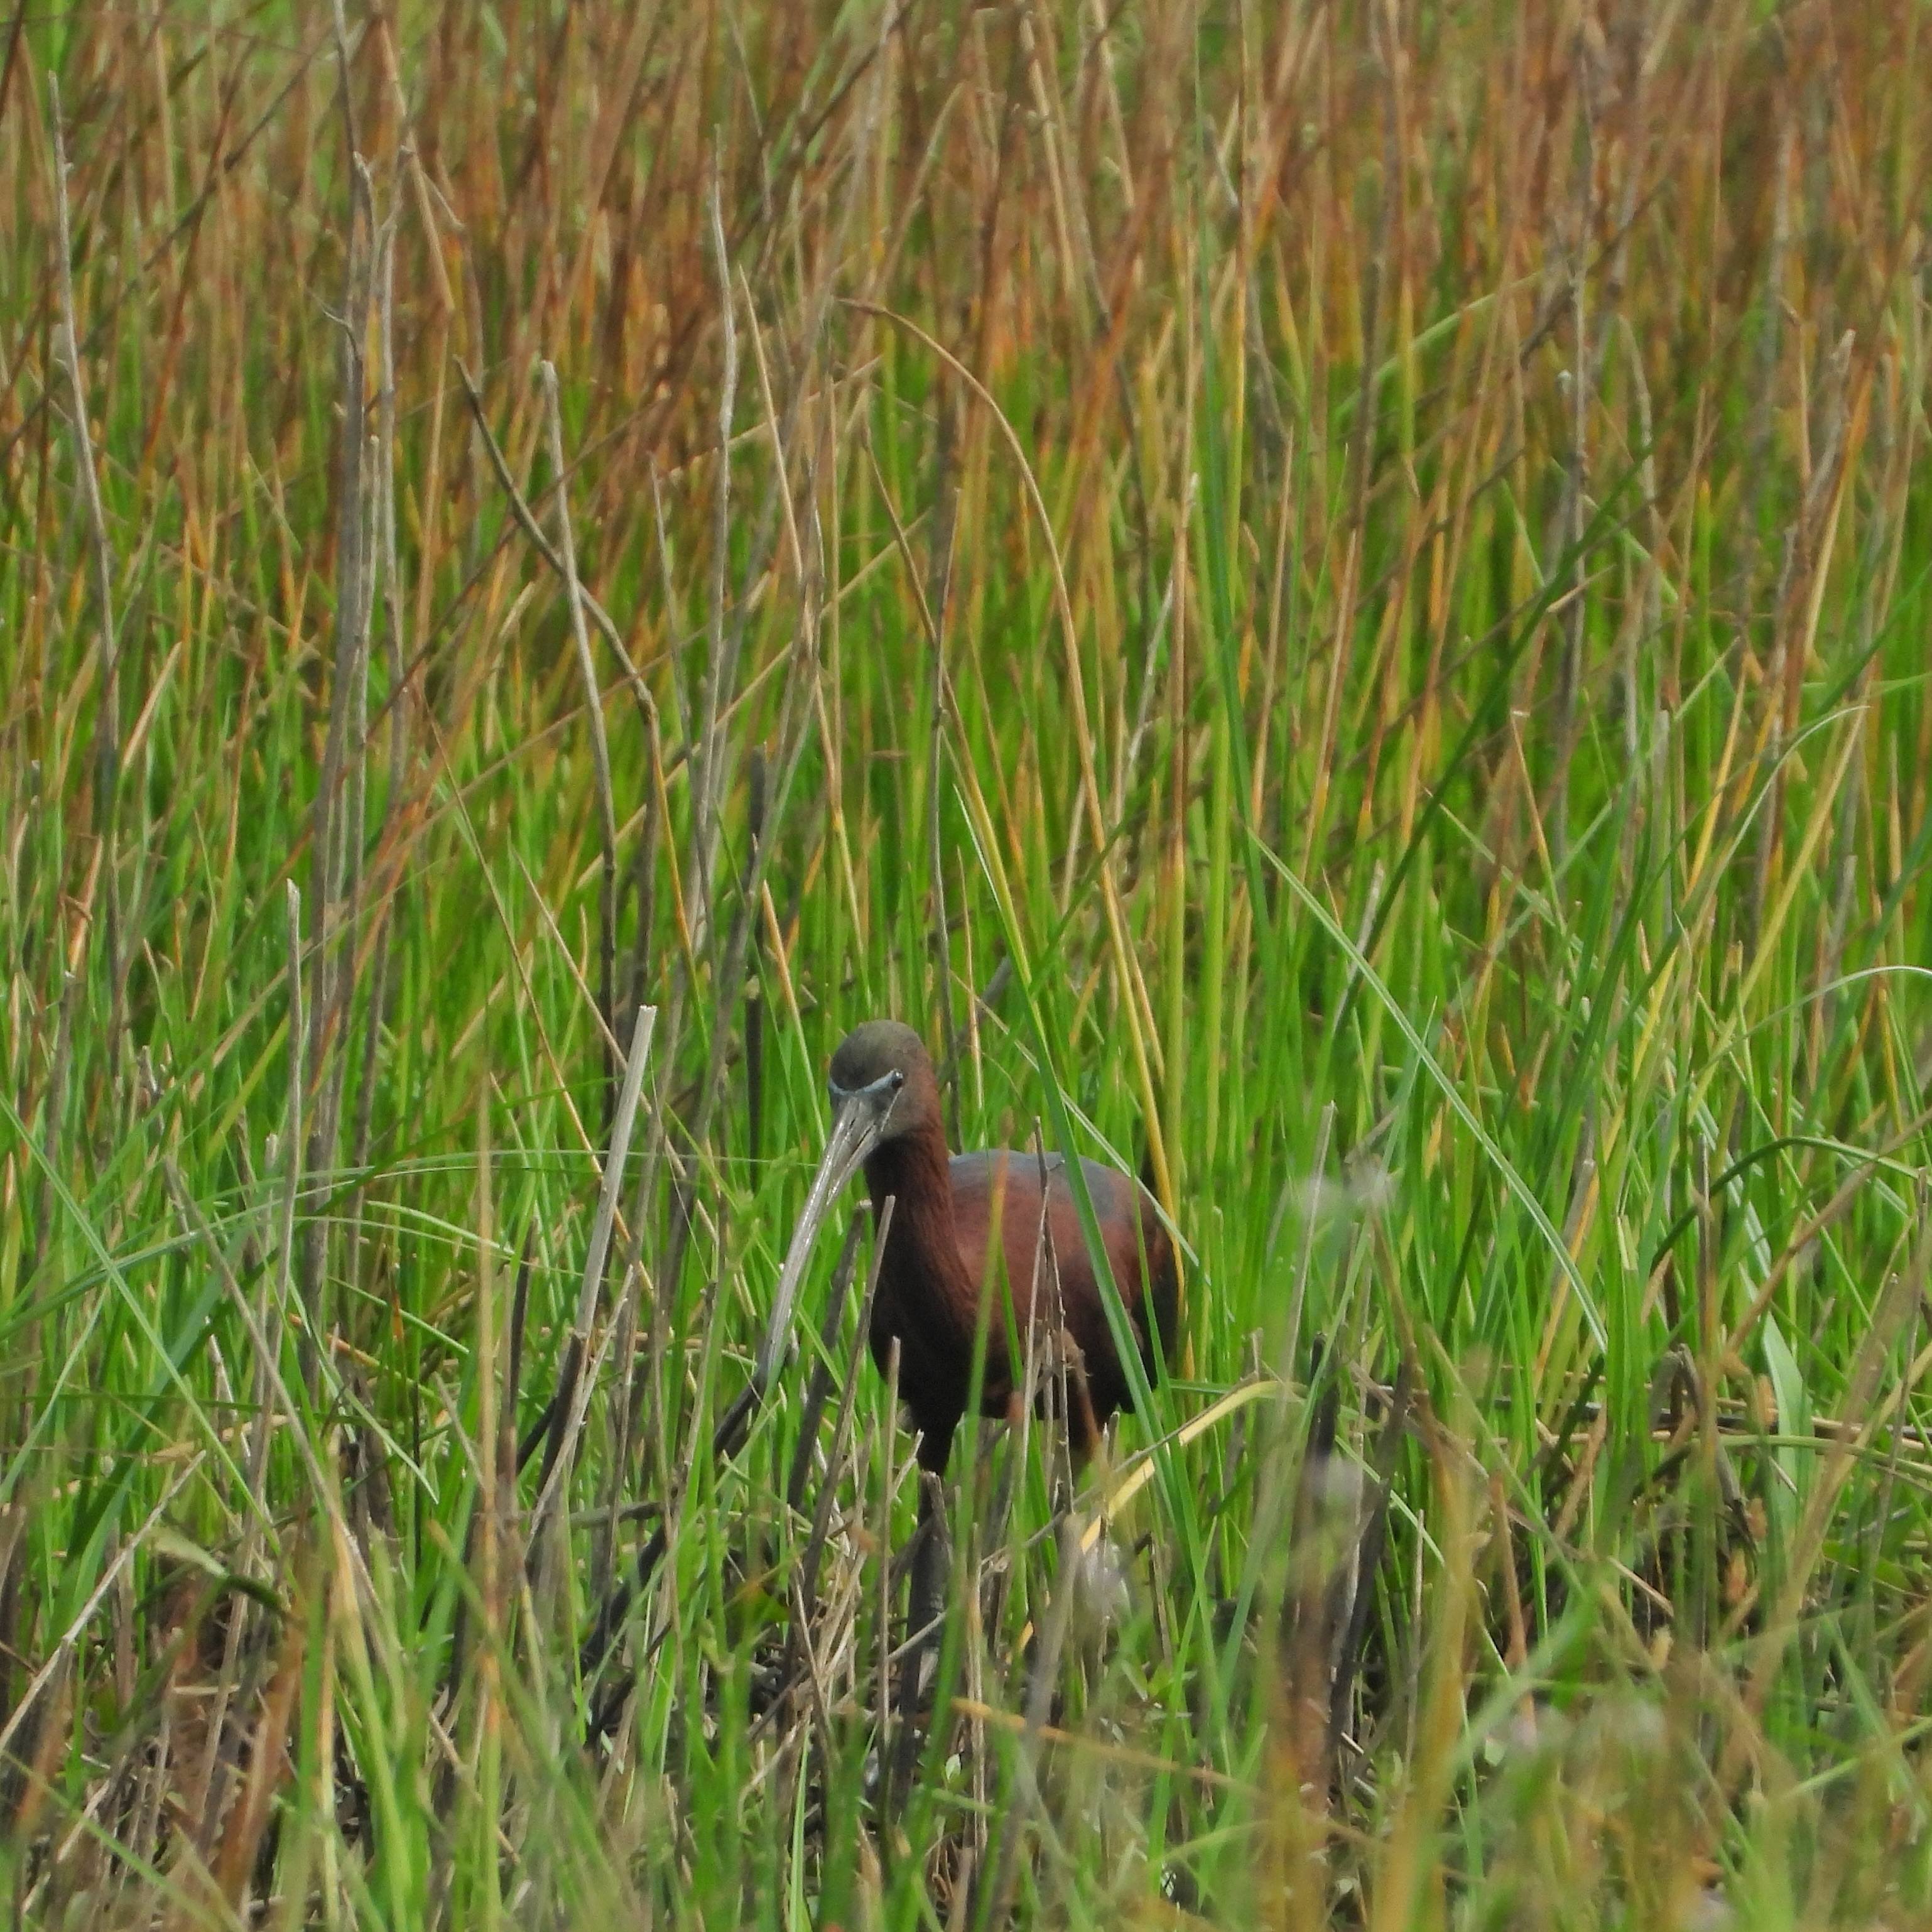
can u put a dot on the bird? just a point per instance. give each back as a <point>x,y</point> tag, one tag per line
<point>939,1266</point>
<point>934,1275</point>
<point>935,1270</point>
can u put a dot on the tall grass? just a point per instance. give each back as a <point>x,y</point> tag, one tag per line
<point>1330,601</point>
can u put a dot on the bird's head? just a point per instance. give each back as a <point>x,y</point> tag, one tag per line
<point>883,1088</point>
<point>882,1083</point>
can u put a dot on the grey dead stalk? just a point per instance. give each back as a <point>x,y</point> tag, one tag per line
<point>574,1387</point>
<point>335,828</point>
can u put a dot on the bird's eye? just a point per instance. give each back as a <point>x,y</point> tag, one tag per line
<point>898,1079</point>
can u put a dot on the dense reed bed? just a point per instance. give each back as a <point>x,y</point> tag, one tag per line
<point>1330,601</point>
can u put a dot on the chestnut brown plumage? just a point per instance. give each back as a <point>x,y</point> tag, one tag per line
<point>937,1267</point>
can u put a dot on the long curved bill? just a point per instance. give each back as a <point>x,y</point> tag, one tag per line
<point>858,1120</point>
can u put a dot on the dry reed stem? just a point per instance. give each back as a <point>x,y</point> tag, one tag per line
<point>107,763</point>
<point>600,747</point>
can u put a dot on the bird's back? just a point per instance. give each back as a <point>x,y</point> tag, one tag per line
<point>1002,1187</point>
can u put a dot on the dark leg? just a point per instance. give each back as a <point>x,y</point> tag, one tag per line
<point>932,1562</point>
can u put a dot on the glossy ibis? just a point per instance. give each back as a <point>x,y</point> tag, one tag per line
<point>937,1269</point>
<point>941,1263</point>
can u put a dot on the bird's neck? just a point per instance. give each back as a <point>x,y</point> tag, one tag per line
<point>914,1171</point>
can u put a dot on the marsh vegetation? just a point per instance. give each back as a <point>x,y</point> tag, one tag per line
<point>1331,601</point>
